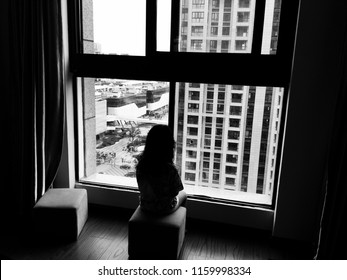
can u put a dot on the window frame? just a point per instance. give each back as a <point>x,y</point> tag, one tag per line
<point>266,70</point>
<point>262,70</point>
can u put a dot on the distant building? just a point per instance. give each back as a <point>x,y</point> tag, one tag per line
<point>227,135</point>
<point>147,103</point>
<point>100,117</point>
<point>97,48</point>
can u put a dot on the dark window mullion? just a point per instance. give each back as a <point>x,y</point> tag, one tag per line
<point>75,29</point>
<point>172,107</point>
<point>287,29</point>
<point>174,48</point>
<point>151,27</point>
<point>261,70</point>
<point>175,23</point>
<point>258,26</point>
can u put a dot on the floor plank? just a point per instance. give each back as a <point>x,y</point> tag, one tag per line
<point>105,237</point>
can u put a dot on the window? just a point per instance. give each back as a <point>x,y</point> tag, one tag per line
<point>242,31</point>
<point>229,132</point>
<point>236,98</point>
<point>225,46</point>
<point>234,122</point>
<point>189,176</point>
<point>229,103</point>
<point>214,16</point>
<point>226,30</point>
<point>192,143</point>
<point>191,154</point>
<point>244,3</point>
<point>230,170</point>
<point>192,131</point>
<point>227,4</point>
<point>193,119</point>
<point>194,95</point>
<point>198,4</point>
<point>229,181</point>
<point>235,110</point>
<point>233,147</point>
<point>213,45</point>
<point>243,17</point>
<point>197,30</point>
<point>217,144</point>
<point>197,16</point>
<point>233,135</point>
<point>215,4</point>
<point>214,30</point>
<point>240,45</point>
<point>231,158</point>
<point>190,165</point>
<point>196,45</point>
<point>220,108</point>
<point>226,17</point>
<point>193,107</point>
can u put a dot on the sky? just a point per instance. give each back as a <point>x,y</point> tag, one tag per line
<point>120,25</point>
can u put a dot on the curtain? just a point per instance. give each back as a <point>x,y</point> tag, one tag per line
<point>35,101</point>
<point>333,232</point>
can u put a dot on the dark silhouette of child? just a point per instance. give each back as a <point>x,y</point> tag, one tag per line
<point>161,188</point>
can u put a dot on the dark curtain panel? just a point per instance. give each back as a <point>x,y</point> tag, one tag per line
<point>333,238</point>
<point>35,100</point>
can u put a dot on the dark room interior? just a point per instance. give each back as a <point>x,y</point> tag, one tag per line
<point>43,64</point>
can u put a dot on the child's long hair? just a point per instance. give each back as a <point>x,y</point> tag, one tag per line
<point>159,149</point>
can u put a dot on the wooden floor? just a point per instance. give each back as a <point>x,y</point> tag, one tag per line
<point>105,237</point>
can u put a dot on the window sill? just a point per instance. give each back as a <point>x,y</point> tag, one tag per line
<point>192,190</point>
<point>199,208</point>
<point>229,195</point>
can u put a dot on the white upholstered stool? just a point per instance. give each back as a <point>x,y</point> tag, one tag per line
<point>61,213</point>
<point>156,236</point>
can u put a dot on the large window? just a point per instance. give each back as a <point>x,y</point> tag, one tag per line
<point>217,72</point>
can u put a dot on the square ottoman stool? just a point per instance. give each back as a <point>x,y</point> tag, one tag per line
<point>61,213</point>
<point>156,236</point>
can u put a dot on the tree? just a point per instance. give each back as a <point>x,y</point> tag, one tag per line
<point>133,133</point>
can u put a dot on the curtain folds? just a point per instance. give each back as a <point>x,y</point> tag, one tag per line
<point>333,242</point>
<point>36,97</point>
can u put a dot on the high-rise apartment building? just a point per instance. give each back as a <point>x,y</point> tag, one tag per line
<point>227,135</point>
<point>216,25</point>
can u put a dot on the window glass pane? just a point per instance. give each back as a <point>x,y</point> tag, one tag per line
<point>234,150</point>
<point>117,117</point>
<point>114,27</point>
<point>163,25</point>
<point>224,26</point>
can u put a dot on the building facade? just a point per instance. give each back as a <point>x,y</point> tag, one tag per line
<point>227,135</point>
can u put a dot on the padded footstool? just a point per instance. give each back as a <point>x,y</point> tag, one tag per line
<point>156,236</point>
<point>61,213</point>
